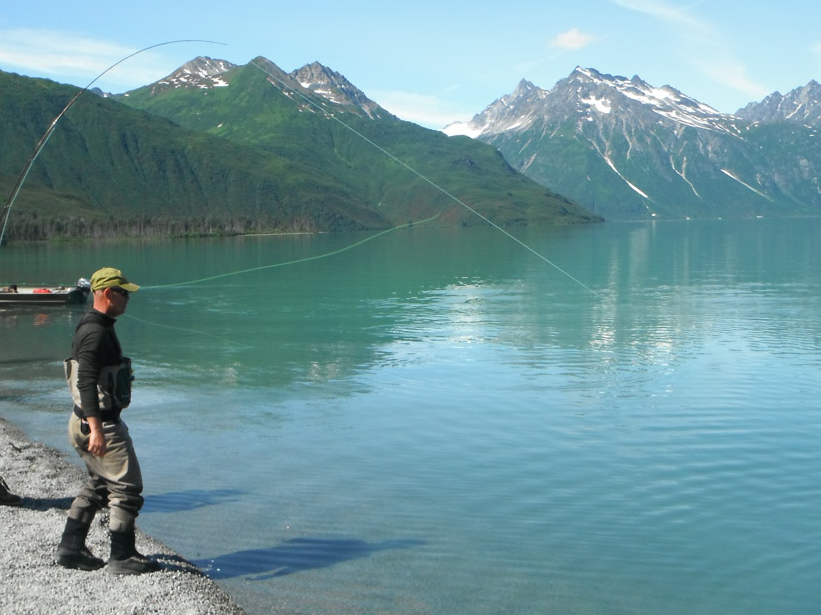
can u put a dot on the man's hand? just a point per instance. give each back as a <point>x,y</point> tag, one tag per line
<point>96,440</point>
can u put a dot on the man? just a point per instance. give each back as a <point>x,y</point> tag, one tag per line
<point>7,498</point>
<point>100,379</point>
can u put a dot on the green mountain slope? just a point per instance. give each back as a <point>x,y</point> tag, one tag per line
<point>291,121</point>
<point>111,169</point>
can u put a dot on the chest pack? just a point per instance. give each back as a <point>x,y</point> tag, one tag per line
<point>113,384</point>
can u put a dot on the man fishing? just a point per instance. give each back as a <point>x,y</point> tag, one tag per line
<point>100,379</point>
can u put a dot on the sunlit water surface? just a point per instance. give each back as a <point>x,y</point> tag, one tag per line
<point>437,421</point>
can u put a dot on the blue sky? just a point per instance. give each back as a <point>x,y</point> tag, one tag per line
<point>432,62</point>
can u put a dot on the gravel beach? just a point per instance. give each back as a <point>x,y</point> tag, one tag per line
<point>32,583</point>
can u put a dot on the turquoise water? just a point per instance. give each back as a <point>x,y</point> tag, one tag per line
<point>438,422</point>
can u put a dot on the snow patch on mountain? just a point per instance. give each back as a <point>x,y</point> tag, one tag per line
<point>638,190</point>
<point>683,174</point>
<point>732,175</point>
<point>201,72</point>
<point>602,105</point>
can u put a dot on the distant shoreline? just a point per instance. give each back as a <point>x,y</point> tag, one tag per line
<point>277,234</point>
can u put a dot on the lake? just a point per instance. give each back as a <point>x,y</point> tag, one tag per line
<point>437,421</point>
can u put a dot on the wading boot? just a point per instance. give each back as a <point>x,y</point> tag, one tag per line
<point>125,559</point>
<point>72,551</point>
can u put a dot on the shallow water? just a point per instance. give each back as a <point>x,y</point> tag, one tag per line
<point>437,421</point>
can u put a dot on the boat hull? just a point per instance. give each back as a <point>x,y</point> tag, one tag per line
<point>60,295</point>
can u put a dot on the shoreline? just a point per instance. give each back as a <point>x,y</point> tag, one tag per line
<point>31,580</point>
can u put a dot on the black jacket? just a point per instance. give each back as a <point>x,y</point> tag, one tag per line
<point>95,346</point>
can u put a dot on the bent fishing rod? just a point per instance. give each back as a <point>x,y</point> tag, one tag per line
<point>47,134</point>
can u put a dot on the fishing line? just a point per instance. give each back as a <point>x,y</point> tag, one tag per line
<point>293,262</point>
<point>159,324</point>
<point>421,176</point>
<point>44,139</point>
<point>260,268</point>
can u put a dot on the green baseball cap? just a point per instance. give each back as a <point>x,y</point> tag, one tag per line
<point>108,277</point>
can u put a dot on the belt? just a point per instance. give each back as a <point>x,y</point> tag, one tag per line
<point>106,416</point>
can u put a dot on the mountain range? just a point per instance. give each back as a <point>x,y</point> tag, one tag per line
<point>221,148</point>
<point>627,150</point>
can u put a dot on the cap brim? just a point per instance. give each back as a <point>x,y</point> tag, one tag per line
<point>132,288</point>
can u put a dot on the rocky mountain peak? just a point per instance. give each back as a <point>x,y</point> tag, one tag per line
<point>201,72</point>
<point>206,73</point>
<point>524,88</point>
<point>585,95</point>
<point>802,105</point>
<point>601,93</point>
<point>507,113</point>
<point>586,74</point>
<point>334,87</point>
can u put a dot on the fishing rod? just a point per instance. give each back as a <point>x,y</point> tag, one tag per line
<point>47,135</point>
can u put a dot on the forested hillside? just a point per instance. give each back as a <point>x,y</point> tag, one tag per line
<point>112,170</point>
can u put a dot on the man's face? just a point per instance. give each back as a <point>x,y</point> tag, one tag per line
<point>117,299</point>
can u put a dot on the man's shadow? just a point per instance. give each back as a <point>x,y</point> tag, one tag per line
<point>295,555</point>
<point>43,504</point>
<point>176,501</point>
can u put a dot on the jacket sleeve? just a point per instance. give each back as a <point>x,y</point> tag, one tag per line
<point>89,366</point>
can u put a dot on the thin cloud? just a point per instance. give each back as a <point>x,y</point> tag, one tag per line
<point>666,12</point>
<point>708,52</point>
<point>49,51</point>
<point>735,76</point>
<point>52,53</point>
<point>423,109</point>
<point>572,40</point>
